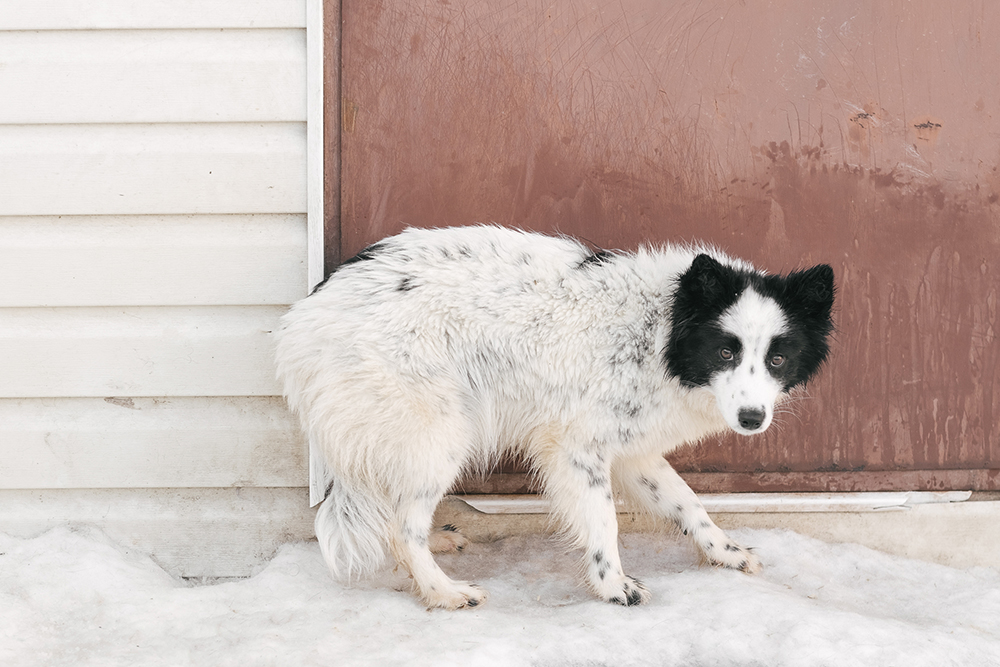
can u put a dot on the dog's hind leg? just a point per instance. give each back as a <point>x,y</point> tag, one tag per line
<point>410,544</point>
<point>446,540</point>
<point>578,484</point>
<point>653,483</point>
<point>425,468</point>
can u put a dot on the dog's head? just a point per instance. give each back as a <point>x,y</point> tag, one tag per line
<point>748,337</point>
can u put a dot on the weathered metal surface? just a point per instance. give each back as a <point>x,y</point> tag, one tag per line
<point>777,482</point>
<point>864,135</point>
<point>331,135</point>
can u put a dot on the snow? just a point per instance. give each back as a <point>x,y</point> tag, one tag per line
<point>72,597</point>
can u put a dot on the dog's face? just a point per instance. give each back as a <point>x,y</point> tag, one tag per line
<point>749,338</point>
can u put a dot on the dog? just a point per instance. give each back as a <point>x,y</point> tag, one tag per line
<point>436,351</point>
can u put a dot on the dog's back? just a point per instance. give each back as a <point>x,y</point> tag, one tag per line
<point>496,329</point>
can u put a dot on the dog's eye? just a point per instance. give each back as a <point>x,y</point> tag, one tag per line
<point>777,360</point>
<point>726,354</point>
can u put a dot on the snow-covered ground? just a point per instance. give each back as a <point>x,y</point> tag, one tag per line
<point>71,597</point>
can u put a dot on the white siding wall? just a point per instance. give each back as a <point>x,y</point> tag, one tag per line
<point>153,228</point>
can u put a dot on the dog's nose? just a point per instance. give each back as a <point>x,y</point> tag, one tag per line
<point>751,418</point>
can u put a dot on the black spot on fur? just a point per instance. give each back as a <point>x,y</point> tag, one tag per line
<point>450,528</point>
<point>594,477</point>
<point>365,254</point>
<point>405,285</point>
<point>649,484</point>
<point>627,410</point>
<point>654,488</point>
<point>634,595</point>
<point>732,547</point>
<point>596,258</point>
<point>598,481</point>
<point>362,256</point>
<point>602,564</point>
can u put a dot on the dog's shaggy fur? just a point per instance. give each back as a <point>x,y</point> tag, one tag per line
<point>435,351</point>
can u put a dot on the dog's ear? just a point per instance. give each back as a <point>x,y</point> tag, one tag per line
<point>708,281</point>
<point>813,290</point>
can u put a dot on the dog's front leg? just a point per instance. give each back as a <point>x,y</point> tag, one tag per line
<point>579,486</point>
<point>653,482</point>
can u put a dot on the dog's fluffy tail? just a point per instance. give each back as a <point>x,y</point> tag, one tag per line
<point>351,529</point>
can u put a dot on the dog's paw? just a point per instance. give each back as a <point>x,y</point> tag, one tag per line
<point>626,591</point>
<point>734,557</point>
<point>458,596</point>
<point>447,539</point>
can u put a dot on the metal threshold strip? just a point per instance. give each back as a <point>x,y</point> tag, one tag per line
<point>749,502</point>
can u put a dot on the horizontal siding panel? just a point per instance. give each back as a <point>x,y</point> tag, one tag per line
<point>152,76</point>
<point>150,442</point>
<point>74,14</point>
<point>152,169</point>
<point>171,351</point>
<point>229,532</point>
<point>152,260</point>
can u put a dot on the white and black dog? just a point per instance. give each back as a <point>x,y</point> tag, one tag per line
<point>435,351</point>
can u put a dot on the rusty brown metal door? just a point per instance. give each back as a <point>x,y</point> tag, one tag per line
<point>864,135</point>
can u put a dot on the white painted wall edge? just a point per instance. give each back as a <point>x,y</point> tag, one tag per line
<point>316,215</point>
<point>749,502</point>
<point>315,147</point>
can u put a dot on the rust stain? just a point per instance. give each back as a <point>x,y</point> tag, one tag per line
<point>349,116</point>
<point>865,130</point>
<point>927,128</point>
<point>862,117</point>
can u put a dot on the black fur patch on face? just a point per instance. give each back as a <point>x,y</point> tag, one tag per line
<point>806,298</point>
<point>698,348</point>
<point>703,293</point>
